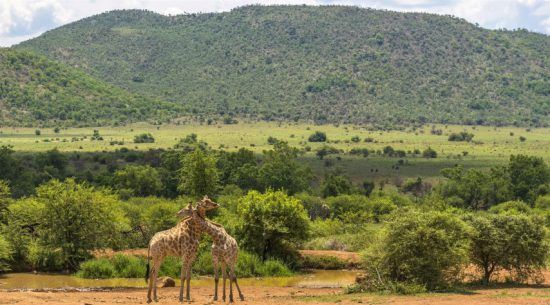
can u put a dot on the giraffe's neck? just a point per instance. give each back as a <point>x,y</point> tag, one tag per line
<point>211,229</point>
<point>192,227</point>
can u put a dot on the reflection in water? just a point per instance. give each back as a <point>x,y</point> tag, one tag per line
<point>317,278</point>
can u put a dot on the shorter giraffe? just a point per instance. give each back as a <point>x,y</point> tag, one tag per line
<point>225,252</point>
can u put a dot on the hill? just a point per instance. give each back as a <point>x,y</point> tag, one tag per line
<point>36,91</point>
<point>322,63</point>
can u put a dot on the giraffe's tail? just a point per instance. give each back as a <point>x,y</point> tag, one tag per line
<point>148,262</point>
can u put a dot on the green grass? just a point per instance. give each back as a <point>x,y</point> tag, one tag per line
<point>491,146</point>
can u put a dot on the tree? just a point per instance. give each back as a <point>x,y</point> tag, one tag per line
<point>271,223</point>
<point>326,150</point>
<point>508,242</point>
<point>427,249</point>
<point>141,180</point>
<point>52,163</point>
<point>198,174</point>
<point>239,168</point>
<point>336,184</point>
<point>475,189</point>
<point>429,153</point>
<point>462,136</point>
<point>368,187</point>
<point>5,254</point>
<point>527,175</point>
<point>77,219</point>
<point>416,186</point>
<point>144,138</point>
<point>318,136</point>
<point>280,170</point>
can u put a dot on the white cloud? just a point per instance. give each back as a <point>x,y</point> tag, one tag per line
<point>21,19</point>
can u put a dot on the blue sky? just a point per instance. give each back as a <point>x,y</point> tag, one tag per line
<point>24,19</point>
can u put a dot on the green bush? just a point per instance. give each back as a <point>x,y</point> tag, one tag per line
<point>272,225</point>
<point>516,243</point>
<point>274,267</point>
<point>97,269</point>
<point>511,207</point>
<point>44,258</point>
<point>426,249</point>
<point>543,202</point>
<point>318,136</point>
<point>5,254</point>
<point>128,266</point>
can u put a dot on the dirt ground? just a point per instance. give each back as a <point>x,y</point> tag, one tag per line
<point>282,296</point>
<point>254,295</point>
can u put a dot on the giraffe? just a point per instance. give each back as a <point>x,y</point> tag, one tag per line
<point>181,240</point>
<point>225,252</point>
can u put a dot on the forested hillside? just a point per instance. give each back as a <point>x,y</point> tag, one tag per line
<point>35,91</point>
<point>326,63</point>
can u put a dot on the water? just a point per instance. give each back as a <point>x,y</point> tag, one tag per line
<point>317,278</point>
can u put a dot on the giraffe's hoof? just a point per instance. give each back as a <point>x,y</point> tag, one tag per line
<point>242,297</point>
<point>149,301</point>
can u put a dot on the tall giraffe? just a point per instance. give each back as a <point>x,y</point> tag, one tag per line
<point>181,240</point>
<point>225,252</point>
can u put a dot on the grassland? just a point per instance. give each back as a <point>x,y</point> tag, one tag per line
<point>490,146</point>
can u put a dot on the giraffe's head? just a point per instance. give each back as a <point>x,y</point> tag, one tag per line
<point>185,212</point>
<point>206,204</point>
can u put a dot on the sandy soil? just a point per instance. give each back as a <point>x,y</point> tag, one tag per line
<point>283,296</point>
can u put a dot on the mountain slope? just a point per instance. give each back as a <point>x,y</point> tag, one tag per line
<point>37,91</point>
<point>328,64</point>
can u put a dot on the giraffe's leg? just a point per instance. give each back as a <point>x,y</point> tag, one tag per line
<point>216,278</point>
<point>234,277</point>
<point>151,283</point>
<point>156,268</point>
<point>224,276</point>
<point>182,279</point>
<point>188,273</point>
<point>231,275</point>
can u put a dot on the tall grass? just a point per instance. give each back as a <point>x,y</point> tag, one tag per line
<point>124,266</point>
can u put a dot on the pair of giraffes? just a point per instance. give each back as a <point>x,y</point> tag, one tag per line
<point>183,241</point>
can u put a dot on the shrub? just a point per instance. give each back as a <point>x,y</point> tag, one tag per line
<point>97,269</point>
<point>140,180</point>
<point>509,242</point>
<point>511,207</point>
<point>5,254</point>
<point>144,138</point>
<point>318,136</point>
<point>543,202</point>
<point>272,224</point>
<point>127,266</point>
<point>429,153</point>
<point>44,258</point>
<point>274,267</point>
<point>336,184</point>
<point>424,249</point>
<point>462,136</point>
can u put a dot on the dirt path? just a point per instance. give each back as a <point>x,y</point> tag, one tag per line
<point>283,296</point>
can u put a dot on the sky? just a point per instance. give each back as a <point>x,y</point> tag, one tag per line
<point>24,19</point>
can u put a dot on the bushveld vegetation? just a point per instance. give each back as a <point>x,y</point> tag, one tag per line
<point>395,69</point>
<point>494,221</point>
<point>36,91</point>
